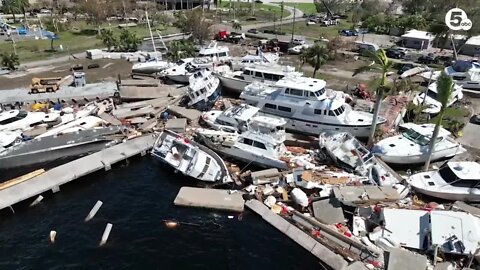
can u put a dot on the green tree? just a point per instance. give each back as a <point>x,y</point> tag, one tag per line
<point>180,49</point>
<point>444,92</point>
<point>10,60</point>
<point>316,56</point>
<point>382,64</point>
<point>236,26</point>
<point>417,22</point>
<point>12,7</point>
<point>193,22</point>
<point>128,41</point>
<point>108,39</point>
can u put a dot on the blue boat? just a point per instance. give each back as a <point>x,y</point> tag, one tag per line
<point>203,90</point>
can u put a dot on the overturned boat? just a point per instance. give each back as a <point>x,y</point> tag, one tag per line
<point>51,148</point>
<point>348,152</point>
<point>190,158</point>
<point>203,90</point>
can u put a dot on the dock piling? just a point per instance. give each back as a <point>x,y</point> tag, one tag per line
<point>37,200</point>
<point>53,235</point>
<point>106,234</point>
<point>94,211</point>
<point>55,189</point>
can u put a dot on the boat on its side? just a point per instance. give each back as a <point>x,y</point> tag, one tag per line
<point>190,158</point>
<point>454,181</point>
<point>203,90</point>
<point>432,105</point>
<point>84,123</point>
<point>24,120</point>
<point>412,145</point>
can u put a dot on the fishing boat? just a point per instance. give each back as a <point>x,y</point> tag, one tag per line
<point>411,146</point>
<point>349,153</point>
<point>190,158</point>
<point>236,81</point>
<point>51,148</point>
<point>203,90</point>
<point>23,120</point>
<point>455,181</point>
<point>308,107</point>
<point>432,105</point>
<point>250,147</point>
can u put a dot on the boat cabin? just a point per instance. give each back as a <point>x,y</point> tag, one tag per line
<point>421,134</point>
<point>9,117</point>
<point>260,144</point>
<point>268,73</point>
<point>216,53</point>
<point>460,174</point>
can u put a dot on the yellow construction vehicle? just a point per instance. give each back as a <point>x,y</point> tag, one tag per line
<point>42,85</point>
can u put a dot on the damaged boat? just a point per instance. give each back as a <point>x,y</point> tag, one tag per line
<point>203,90</point>
<point>24,120</point>
<point>190,158</point>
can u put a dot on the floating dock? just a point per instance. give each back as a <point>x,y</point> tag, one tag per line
<point>209,198</point>
<point>54,178</point>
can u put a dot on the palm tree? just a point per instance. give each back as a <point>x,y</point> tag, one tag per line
<point>282,8</point>
<point>12,7</point>
<point>315,56</point>
<point>382,64</point>
<point>444,92</point>
<point>236,26</point>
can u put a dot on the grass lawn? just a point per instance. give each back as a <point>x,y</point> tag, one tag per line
<point>73,41</point>
<point>454,118</point>
<point>307,8</point>
<point>313,31</point>
<point>263,12</point>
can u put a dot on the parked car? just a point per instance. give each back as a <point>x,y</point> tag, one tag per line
<point>394,53</point>
<point>404,67</point>
<point>253,31</point>
<point>348,33</point>
<point>427,59</point>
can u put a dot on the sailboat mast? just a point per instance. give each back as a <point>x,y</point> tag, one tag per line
<point>151,36</point>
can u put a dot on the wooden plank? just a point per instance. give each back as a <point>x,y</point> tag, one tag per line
<point>21,179</point>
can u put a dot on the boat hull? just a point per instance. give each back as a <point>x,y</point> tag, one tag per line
<point>183,79</point>
<point>467,197</point>
<point>232,84</point>
<point>417,159</point>
<point>315,128</point>
<point>207,104</point>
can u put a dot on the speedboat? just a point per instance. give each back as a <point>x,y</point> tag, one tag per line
<point>412,145</point>
<point>432,105</point>
<point>190,158</point>
<point>348,152</point>
<point>309,107</point>
<point>51,148</point>
<point>463,73</point>
<point>203,90</point>
<point>236,81</point>
<point>254,59</point>
<point>23,120</point>
<point>242,118</point>
<point>455,181</point>
<point>87,122</point>
<point>151,66</point>
<point>250,147</point>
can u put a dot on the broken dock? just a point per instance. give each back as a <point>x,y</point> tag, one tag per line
<point>54,178</point>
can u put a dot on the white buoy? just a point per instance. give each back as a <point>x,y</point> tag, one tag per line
<point>53,234</point>
<point>94,210</point>
<point>106,233</point>
<point>37,200</point>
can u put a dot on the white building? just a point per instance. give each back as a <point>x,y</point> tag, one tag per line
<point>415,39</point>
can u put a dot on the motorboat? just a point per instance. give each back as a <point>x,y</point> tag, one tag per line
<point>10,138</point>
<point>349,153</point>
<point>203,90</point>
<point>411,146</point>
<point>185,68</point>
<point>432,105</point>
<point>190,158</point>
<point>255,59</point>
<point>218,54</point>
<point>250,147</point>
<point>23,120</point>
<point>455,181</point>
<point>87,122</point>
<point>151,66</point>
<point>51,148</point>
<point>244,117</point>
<point>309,107</point>
<point>463,73</point>
<point>236,81</point>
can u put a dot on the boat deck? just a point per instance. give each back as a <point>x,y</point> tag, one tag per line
<point>52,179</point>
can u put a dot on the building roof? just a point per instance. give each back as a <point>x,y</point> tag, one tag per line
<point>416,34</point>
<point>475,40</point>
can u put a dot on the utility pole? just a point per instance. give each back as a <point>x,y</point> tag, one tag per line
<point>293,25</point>
<point>274,23</point>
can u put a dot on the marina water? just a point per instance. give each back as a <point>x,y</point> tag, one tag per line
<point>137,199</point>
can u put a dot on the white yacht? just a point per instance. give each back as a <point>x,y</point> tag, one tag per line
<point>455,181</point>
<point>308,107</point>
<point>344,149</point>
<point>254,59</point>
<point>151,66</point>
<point>432,105</point>
<point>411,146</point>
<point>87,122</point>
<point>190,158</point>
<point>250,147</point>
<point>242,118</point>
<point>203,90</point>
<point>464,73</point>
<point>236,81</point>
<point>23,120</point>
<point>218,54</point>
<point>184,68</point>
<point>10,138</point>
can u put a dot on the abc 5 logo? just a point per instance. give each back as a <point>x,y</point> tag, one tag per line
<point>456,19</point>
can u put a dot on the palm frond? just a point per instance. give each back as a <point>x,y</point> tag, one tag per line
<point>444,89</point>
<point>363,69</point>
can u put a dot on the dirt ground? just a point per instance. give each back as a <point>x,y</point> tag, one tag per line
<point>108,71</point>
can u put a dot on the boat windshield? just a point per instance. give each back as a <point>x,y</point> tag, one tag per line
<point>416,137</point>
<point>432,94</point>
<point>447,174</point>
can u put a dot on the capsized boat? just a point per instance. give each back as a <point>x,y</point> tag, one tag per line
<point>203,90</point>
<point>432,105</point>
<point>250,147</point>
<point>347,151</point>
<point>51,148</point>
<point>190,158</point>
<point>412,145</point>
<point>455,181</point>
